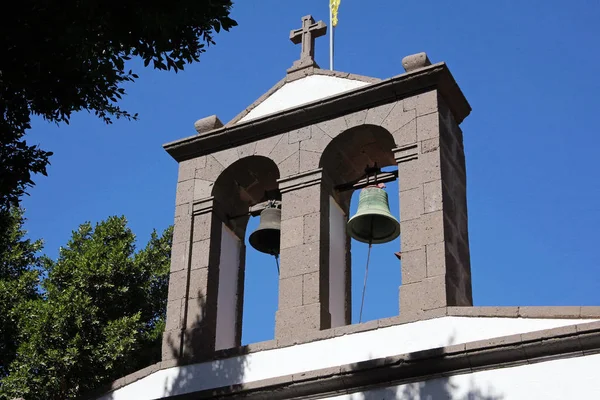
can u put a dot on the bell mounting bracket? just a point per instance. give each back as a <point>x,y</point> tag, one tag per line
<point>373,175</point>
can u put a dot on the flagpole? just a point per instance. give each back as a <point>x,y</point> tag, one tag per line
<point>331,27</point>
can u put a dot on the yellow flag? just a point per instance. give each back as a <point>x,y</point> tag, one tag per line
<point>334,5</point>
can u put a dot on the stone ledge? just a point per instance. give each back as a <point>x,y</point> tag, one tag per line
<point>549,312</point>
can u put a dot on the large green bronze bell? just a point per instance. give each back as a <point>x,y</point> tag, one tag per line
<point>266,238</point>
<point>373,222</point>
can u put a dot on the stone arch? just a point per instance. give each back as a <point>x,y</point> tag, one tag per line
<point>243,184</point>
<point>348,154</point>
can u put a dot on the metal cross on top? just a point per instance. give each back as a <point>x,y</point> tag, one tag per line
<point>307,35</point>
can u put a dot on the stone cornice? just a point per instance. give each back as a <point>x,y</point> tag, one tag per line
<point>436,76</point>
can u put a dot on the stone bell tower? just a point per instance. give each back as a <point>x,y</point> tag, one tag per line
<point>302,142</point>
<point>307,144</point>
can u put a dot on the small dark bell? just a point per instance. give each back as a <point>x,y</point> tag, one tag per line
<point>266,238</point>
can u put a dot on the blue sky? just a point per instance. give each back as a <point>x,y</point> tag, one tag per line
<point>528,70</point>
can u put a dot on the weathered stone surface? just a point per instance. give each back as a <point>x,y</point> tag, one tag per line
<point>290,292</point>
<point>202,188</point>
<point>227,157</point>
<point>283,149</point>
<point>310,288</point>
<point>433,227</point>
<point>247,150</point>
<point>183,210</point>
<point>198,283</point>
<point>413,266</point>
<point>195,312</point>
<point>185,192</point>
<point>397,117</point>
<point>211,171</point>
<point>208,124</point>
<point>200,254</point>
<point>318,141</point>
<point>333,127</point>
<point>300,260</point>
<point>549,312</point>
<point>294,323</point>
<point>312,227</point>
<point>428,126</point>
<point>298,135</point>
<point>292,232</point>
<point>512,312</point>
<point>171,344</point>
<point>376,115</point>
<point>182,229</point>
<point>174,314</point>
<point>179,256</point>
<point>430,145</point>
<point>264,147</point>
<point>430,166</point>
<point>309,160</point>
<point>424,103</point>
<point>433,195</point>
<point>590,312</point>
<point>187,168</point>
<point>290,166</point>
<point>301,202</point>
<point>356,118</point>
<point>436,259</point>
<point>198,343</point>
<point>415,61</point>
<point>411,204</point>
<point>178,285</point>
<point>410,175</point>
<point>427,294</point>
<point>202,226</point>
<point>406,134</point>
<point>411,237</point>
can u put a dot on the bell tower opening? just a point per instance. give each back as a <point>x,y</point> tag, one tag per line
<point>248,195</point>
<point>380,282</point>
<point>361,164</point>
<point>261,288</point>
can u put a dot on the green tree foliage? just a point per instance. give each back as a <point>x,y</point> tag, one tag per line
<point>101,315</point>
<point>19,266</point>
<point>63,56</point>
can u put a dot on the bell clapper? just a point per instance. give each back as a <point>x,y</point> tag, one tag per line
<point>277,262</point>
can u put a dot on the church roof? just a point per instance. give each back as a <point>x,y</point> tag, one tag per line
<point>296,89</point>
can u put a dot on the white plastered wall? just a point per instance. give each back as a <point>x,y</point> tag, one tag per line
<point>302,91</point>
<point>337,264</point>
<point>348,349</point>
<point>564,379</point>
<point>228,286</point>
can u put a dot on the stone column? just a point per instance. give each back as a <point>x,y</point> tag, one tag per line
<point>193,283</point>
<point>434,235</point>
<point>304,276</point>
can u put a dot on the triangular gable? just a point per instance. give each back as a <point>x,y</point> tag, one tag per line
<point>296,90</point>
